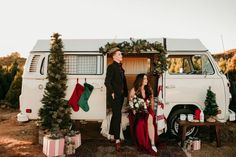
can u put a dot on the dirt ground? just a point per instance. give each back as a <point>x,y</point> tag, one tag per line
<point>228,143</point>
<point>17,139</point>
<point>21,139</point>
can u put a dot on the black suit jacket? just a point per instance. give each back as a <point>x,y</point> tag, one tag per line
<point>115,80</point>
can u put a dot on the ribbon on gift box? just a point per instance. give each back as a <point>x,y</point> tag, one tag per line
<point>70,148</point>
<point>76,140</point>
<point>53,147</point>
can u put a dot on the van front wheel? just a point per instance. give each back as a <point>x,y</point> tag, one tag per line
<point>173,126</point>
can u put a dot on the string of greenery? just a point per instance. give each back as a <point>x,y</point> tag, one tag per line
<point>139,46</point>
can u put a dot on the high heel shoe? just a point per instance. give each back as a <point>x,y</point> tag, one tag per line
<point>154,148</point>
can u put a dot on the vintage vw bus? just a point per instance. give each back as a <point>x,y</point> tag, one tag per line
<point>191,70</point>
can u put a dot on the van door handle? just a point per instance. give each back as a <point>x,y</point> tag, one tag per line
<point>170,86</point>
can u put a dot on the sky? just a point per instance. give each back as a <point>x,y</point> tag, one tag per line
<point>23,22</point>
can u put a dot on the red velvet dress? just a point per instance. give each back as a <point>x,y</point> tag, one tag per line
<point>139,130</point>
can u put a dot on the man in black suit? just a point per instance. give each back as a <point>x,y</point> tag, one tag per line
<point>116,90</point>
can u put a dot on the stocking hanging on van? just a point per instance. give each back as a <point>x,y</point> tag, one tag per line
<point>79,89</point>
<point>83,101</point>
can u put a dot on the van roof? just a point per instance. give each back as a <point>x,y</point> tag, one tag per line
<point>93,45</point>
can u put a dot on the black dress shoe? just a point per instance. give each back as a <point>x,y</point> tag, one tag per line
<point>117,146</point>
<point>112,140</point>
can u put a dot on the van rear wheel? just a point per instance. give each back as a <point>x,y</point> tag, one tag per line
<point>173,126</point>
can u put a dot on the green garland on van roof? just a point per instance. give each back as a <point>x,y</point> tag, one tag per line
<point>139,46</point>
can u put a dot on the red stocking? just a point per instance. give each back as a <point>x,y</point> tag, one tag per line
<point>79,89</point>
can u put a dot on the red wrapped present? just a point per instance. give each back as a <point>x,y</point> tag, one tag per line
<point>197,114</point>
<point>53,147</point>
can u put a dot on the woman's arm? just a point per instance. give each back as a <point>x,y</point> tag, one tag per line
<point>130,99</point>
<point>131,94</point>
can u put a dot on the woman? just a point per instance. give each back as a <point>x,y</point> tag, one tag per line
<point>142,119</point>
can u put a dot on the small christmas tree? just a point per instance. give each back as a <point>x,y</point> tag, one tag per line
<point>211,108</point>
<point>55,112</point>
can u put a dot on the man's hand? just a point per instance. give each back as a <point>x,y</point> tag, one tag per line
<point>113,96</point>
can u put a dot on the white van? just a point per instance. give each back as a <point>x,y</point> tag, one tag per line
<point>184,85</point>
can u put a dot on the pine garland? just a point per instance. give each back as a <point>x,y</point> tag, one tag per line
<point>139,46</point>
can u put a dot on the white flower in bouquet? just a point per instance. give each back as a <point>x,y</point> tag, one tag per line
<point>136,105</point>
<point>141,101</point>
<point>131,104</point>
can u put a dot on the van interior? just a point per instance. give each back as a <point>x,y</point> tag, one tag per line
<point>134,64</point>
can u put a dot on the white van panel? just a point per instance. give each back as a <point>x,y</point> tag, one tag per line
<point>97,100</point>
<point>33,85</point>
<point>193,89</point>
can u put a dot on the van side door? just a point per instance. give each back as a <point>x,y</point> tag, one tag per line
<point>188,78</point>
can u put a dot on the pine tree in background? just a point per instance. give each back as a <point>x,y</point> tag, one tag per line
<point>1,83</point>
<point>13,70</point>
<point>9,77</point>
<point>14,91</point>
<point>55,112</point>
<point>6,78</point>
<point>211,108</point>
<point>232,79</point>
<point>222,64</point>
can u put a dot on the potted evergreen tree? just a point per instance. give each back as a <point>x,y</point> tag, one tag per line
<point>211,107</point>
<point>55,112</point>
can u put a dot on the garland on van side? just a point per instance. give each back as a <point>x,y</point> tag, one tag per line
<point>139,46</point>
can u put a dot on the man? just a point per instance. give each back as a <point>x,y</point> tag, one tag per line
<point>116,90</point>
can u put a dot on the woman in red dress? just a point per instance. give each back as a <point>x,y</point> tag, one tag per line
<point>142,120</point>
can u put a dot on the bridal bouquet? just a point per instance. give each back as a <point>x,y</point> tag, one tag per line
<point>138,104</point>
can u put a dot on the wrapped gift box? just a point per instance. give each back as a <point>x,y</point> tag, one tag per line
<point>196,144</point>
<point>69,148</point>
<point>53,147</point>
<point>76,139</point>
<point>42,133</point>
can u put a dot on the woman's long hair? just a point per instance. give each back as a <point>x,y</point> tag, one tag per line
<point>137,86</point>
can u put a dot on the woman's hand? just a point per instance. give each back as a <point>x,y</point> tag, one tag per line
<point>146,111</point>
<point>134,112</point>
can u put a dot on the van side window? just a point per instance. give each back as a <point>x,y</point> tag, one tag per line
<point>34,63</point>
<point>84,64</point>
<point>207,68</point>
<point>189,65</point>
<point>202,65</point>
<point>42,66</point>
<point>178,65</point>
